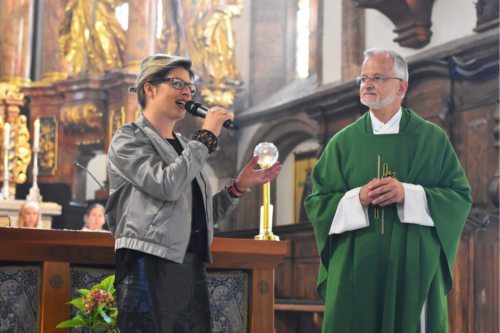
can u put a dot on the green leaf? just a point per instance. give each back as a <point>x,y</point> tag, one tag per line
<point>77,321</point>
<point>106,284</point>
<point>78,303</point>
<point>104,316</point>
<point>83,292</point>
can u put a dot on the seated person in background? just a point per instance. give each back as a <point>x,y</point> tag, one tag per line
<point>94,218</point>
<point>29,215</point>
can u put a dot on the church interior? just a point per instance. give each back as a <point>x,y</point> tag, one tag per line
<point>286,70</point>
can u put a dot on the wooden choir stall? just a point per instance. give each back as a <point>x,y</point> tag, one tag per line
<point>40,271</point>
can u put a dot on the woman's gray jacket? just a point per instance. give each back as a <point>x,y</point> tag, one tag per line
<point>149,205</point>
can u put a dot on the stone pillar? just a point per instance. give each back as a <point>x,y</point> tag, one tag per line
<point>16,27</point>
<point>54,66</point>
<point>316,40</point>
<point>353,39</point>
<point>140,36</point>
<point>272,45</point>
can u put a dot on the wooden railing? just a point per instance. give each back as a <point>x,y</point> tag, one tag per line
<point>56,250</point>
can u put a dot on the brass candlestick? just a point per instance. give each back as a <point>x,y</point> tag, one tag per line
<point>34,194</point>
<point>268,155</point>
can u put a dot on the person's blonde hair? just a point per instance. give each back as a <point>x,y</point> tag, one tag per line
<point>155,67</point>
<point>20,219</point>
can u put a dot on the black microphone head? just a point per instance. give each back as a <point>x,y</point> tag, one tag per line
<point>198,110</point>
<point>191,107</point>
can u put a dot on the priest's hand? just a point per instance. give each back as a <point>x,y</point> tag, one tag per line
<point>382,192</point>
<point>364,197</point>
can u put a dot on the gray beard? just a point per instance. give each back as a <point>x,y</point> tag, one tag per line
<point>377,105</point>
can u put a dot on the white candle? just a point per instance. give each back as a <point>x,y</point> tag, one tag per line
<point>36,137</point>
<point>6,136</point>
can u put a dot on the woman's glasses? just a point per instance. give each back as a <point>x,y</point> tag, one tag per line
<point>177,83</point>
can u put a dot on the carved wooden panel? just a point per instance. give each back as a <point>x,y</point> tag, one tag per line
<point>411,18</point>
<point>285,280</point>
<point>475,155</point>
<point>486,287</point>
<point>49,143</point>
<point>305,287</point>
<point>429,92</point>
<point>463,291</point>
<point>487,15</point>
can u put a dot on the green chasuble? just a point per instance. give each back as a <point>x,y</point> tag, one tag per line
<point>376,279</point>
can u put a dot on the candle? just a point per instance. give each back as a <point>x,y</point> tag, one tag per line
<point>36,137</point>
<point>6,135</point>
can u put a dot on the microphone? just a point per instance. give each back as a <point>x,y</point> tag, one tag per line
<point>198,110</point>
<point>75,163</point>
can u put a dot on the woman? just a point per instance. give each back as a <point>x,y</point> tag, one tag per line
<point>161,210</point>
<point>29,215</point>
<point>94,218</point>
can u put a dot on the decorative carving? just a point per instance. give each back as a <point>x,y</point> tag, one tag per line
<point>91,37</point>
<point>411,18</point>
<point>487,15</point>
<point>429,93</point>
<point>89,146</point>
<point>22,151</point>
<point>172,31</point>
<point>56,281</point>
<point>115,120</point>
<point>47,157</point>
<point>204,31</point>
<point>219,94</point>
<point>473,68</point>
<point>81,117</point>
<point>10,91</point>
<point>18,152</point>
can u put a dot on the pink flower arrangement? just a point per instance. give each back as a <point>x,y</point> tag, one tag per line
<point>96,308</point>
<point>95,298</point>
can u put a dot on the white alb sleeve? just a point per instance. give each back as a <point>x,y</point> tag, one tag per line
<point>350,214</point>
<point>414,208</point>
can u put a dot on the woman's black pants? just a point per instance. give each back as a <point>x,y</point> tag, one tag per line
<point>155,295</point>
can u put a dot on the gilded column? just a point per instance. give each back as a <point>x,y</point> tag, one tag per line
<point>54,66</point>
<point>140,36</point>
<point>16,27</point>
<point>18,149</point>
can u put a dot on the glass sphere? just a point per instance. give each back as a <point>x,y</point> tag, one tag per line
<point>267,152</point>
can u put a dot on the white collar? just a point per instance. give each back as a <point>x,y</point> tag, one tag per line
<point>391,127</point>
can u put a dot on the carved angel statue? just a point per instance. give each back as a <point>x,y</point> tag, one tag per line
<point>22,157</point>
<point>203,30</point>
<point>91,38</point>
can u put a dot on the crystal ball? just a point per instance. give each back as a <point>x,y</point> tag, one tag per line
<point>267,152</point>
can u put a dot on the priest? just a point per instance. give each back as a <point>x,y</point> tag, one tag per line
<point>389,202</point>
